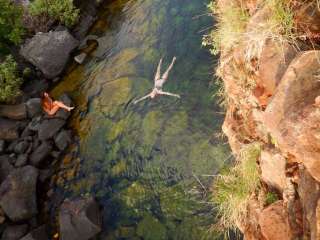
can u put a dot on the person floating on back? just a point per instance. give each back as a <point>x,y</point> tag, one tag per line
<point>51,107</point>
<point>158,83</point>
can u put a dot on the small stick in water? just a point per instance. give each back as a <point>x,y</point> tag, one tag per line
<point>159,82</point>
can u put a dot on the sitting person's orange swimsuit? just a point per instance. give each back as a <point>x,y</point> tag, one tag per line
<point>51,107</point>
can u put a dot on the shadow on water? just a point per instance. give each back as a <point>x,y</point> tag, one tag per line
<point>150,164</point>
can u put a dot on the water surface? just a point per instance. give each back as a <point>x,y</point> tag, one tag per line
<point>149,164</point>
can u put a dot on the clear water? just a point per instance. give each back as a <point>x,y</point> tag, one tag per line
<point>150,164</point>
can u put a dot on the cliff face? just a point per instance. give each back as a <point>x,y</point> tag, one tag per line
<point>272,87</point>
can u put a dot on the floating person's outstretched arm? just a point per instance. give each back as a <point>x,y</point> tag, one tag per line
<point>141,99</point>
<point>169,94</point>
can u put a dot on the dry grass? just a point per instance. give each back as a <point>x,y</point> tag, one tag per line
<point>232,27</point>
<point>233,188</point>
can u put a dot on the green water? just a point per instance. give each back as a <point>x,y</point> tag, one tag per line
<point>149,164</point>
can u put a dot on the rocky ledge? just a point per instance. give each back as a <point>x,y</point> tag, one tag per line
<point>30,147</point>
<point>32,143</point>
<point>282,113</point>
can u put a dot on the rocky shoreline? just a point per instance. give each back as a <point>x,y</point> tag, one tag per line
<point>281,113</point>
<point>32,143</point>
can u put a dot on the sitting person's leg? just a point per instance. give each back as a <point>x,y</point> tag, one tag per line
<point>62,105</point>
<point>53,110</point>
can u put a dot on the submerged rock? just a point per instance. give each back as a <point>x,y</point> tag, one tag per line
<point>79,219</point>
<point>80,58</point>
<point>17,112</point>
<point>49,51</point>
<point>18,194</point>
<point>63,139</point>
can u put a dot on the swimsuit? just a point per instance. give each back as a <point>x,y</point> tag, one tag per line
<point>159,83</point>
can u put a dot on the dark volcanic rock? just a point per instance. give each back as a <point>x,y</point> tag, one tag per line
<point>63,139</point>
<point>40,153</point>
<point>35,87</point>
<point>33,107</point>
<point>17,112</point>
<point>38,234</point>
<point>18,194</point>
<point>49,127</point>
<point>9,129</point>
<point>2,145</point>
<point>5,167</point>
<point>49,51</point>
<point>21,160</point>
<point>21,147</point>
<point>34,125</point>
<point>14,232</point>
<point>79,219</point>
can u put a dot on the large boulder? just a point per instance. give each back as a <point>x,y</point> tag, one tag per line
<point>39,233</point>
<point>9,129</point>
<point>17,112</point>
<point>34,107</point>
<point>291,117</point>
<point>274,223</point>
<point>62,140</point>
<point>49,128</point>
<point>49,51</point>
<point>14,232</point>
<point>274,61</point>
<point>18,194</point>
<point>40,154</point>
<point>273,169</point>
<point>79,219</point>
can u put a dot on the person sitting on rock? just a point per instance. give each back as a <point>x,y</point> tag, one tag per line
<point>51,107</point>
<point>158,83</point>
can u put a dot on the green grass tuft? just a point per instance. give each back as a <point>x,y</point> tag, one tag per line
<point>233,188</point>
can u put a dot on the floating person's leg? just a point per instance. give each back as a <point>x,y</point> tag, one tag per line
<point>158,73</point>
<point>141,99</point>
<point>166,74</point>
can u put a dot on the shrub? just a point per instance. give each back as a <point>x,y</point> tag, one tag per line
<point>9,81</point>
<point>11,28</point>
<point>234,186</point>
<point>61,10</point>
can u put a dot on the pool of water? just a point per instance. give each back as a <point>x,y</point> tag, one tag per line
<point>149,165</point>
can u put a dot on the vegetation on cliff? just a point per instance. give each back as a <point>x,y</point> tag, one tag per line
<point>11,28</point>
<point>233,187</point>
<point>62,11</point>
<point>10,82</point>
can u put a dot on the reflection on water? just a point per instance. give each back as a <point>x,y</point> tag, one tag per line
<point>147,164</point>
